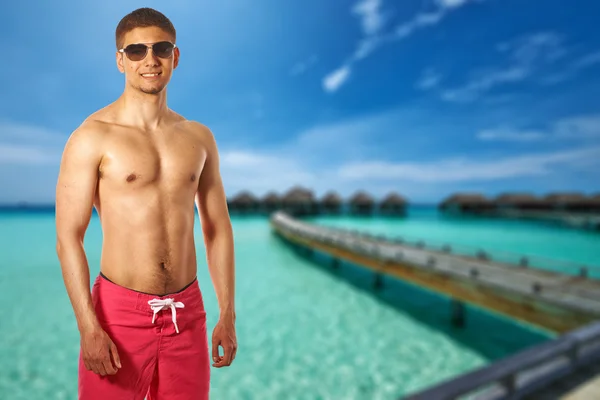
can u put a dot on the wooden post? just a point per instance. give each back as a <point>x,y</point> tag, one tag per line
<point>458,313</point>
<point>335,263</point>
<point>510,384</point>
<point>431,261</point>
<point>524,262</point>
<point>378,281</point>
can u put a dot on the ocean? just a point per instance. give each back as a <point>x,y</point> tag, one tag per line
<point>304,331</point>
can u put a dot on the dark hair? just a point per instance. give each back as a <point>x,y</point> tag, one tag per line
<point>142,18</point>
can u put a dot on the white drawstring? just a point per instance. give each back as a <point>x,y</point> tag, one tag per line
<point>157,305</point>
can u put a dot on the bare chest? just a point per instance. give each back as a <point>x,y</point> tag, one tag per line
<point>173,161</point>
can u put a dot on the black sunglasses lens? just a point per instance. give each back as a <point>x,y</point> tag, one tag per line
<point>163,49</point>
<point>136,52</point>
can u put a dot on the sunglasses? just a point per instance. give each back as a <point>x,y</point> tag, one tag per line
<point>138,51</point>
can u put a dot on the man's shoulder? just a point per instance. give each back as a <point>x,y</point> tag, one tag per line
<point>90,129</point>
<point>201,130</point>
<point>195,126</point>
<point>89,134</point>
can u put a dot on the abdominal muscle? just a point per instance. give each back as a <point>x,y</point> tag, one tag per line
<point>148,243</point>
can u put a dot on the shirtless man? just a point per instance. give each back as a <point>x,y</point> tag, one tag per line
<point>143,167</point>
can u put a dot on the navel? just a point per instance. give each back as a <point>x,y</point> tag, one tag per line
<point>193,178</point>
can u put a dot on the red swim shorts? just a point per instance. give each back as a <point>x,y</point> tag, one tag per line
<point>161,342</point>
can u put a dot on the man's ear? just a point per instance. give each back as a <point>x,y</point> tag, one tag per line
<point>175,57</point>
<point>120,65</point>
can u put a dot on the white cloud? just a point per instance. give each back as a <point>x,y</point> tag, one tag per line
<point>538,57</point>
<point>429,79</point>
<point>365,47</point>
<point>473,89</point>
<point>587,61</point>
<point>29,144</point>
<point>574,127</point>
<point>510,135</point>
<point>583,126</point>
<point>346,155</point>
<point>261,171</point>
<point>336,79</point>
<point>30,155</point>
<point>427,19</point>
<point>526,55</point>
<point>372,21</point>
<point>11,131</point>
<point>451,3</point>
<point>463,169</point>
<point>535,48</point>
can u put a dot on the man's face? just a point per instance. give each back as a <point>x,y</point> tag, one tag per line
<point>135,70</point>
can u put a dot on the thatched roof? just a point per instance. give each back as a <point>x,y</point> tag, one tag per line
<point>466,198</point>
<point>298,194</point>
<point>271,197</point>
<point>518,198</point>
<point>593,200</point>
<point>361,197</point>
<point>393,198</point>
<point>564,197</point>
<point>332,198</point>
<point>244,197</point>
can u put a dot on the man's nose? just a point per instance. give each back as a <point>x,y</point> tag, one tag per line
<point>151,58</point>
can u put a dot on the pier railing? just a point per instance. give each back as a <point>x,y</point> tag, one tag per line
<point>524,372</point>
<point>564,267</point>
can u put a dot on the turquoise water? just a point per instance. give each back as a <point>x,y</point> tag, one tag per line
<point>304,331</point>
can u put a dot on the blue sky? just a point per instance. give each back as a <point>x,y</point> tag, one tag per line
<point>422,97</point>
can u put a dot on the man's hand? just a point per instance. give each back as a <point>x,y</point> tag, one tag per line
<point>224,335</point>
<point>97,349</point>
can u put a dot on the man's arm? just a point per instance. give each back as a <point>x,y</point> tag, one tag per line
<point>216,227</point>
<point>75,191</point>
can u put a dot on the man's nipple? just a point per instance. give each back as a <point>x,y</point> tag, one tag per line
<point>131,177</point>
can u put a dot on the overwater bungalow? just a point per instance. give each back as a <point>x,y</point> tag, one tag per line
<point>299,201</point>
<point>331,203</point>
<point>566,201</point>
<point>270,202</point>
<point>466,202</point>
<point>593,203</point>
<point>522,201</point>
<point>361,203</point>
<point>243,202</point>
<point>393,204</point>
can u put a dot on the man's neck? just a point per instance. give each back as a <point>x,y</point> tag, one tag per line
<point>143,110</point>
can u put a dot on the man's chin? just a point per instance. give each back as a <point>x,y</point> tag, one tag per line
<point>154,90</point>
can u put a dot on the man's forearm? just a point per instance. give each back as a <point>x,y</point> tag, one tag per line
<point>221,264</point>
<point>76,275</point>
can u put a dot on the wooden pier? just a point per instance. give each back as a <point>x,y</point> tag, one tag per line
<point>549,300</point>
<point>565,304</point>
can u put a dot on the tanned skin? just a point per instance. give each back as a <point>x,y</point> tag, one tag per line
<point>143,167</point>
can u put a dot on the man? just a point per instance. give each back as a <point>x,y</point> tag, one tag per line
<point>143,166</point>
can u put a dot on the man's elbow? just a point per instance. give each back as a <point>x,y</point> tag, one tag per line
<point>217,228</point>
<point>66,241</point>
